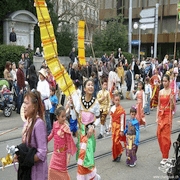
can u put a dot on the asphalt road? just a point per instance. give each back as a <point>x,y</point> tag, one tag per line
<point>148,154</point>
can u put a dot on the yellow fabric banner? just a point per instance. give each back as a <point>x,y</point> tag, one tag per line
<point>81,48</point>
<point>50,49</point>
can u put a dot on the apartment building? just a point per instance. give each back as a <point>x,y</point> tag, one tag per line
<point>168,26</point>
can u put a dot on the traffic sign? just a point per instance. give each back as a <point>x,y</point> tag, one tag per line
<point>135,42</point>
<point>147,26</point>
<point>147,20</point>
<point>145,13</point>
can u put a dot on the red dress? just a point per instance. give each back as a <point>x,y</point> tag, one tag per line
<point>117,148</point>
<point>164,125</point>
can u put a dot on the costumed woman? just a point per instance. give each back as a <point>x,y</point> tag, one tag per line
<point>155,84</point>
<point>33,162</point>
<point>89,112</point>
<point>166,104</point>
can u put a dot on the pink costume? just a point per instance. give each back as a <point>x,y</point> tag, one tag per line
<point>140,95</point>
<point>63,144</point>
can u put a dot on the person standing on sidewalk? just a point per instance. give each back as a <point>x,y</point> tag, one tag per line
<point>117,125</point>
<point>20,85</point>
<point>43,88</point>
<point>104,100</point>
<point>166,105</point>
<point>129,78</point>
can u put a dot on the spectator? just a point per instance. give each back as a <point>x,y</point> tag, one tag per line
<point>32,77</point>
<point>73,56</point>
<point>20,85</point>
<point>12,37</point>
<point>43,88</point>
<point>7,73</point>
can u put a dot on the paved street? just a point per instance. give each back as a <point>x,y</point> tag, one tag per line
<point>148,154</point>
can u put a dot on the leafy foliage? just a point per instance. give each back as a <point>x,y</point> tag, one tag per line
<point>10,53</point>
<point>65,39</point>
<point>111,38</point>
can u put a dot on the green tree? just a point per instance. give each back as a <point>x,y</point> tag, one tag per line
<point>65,39</point>
<point>9,6</point>
<point>115,35</point>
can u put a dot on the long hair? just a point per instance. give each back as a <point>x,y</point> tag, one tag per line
<point>35,98</point>
<point>8,63</point>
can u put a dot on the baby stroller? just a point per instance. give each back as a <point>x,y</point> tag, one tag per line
<point>6,99</point>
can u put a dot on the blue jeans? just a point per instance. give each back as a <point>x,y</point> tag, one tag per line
<point>147,104</point>
<point>48,121</point>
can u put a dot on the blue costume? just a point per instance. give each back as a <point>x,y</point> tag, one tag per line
<point>132,138</point>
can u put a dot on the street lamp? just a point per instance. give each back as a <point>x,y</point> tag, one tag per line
<point>140,26</point>
<point>136,26</point>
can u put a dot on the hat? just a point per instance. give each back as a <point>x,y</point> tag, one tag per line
<point>22,113</point>
<point>43,72</point>
<point>21,62</point>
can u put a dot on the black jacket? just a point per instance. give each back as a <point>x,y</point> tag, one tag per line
<point>26,161</point>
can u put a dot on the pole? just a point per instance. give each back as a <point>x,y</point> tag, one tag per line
<point>175,36</point>
<point>156,31</point>
<point>139,45</point>
<point>130,27</point>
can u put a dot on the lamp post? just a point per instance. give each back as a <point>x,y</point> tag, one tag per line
<point>136,26</point>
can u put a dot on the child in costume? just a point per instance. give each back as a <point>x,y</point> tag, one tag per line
<point>104,100</point>
<point>148,95</point>
<point>54,101</point>
<point>132,138</point>
<point>73,122</point>
<point>140,96</point>
<point>64,147</point>
<point>117,125</point>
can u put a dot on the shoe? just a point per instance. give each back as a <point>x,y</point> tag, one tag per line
<point>132,165</point>
<point>163,162</point>
<point>98,176</point>
<point>147,113</point>
<point>118,159</point>
<point>114,160</point>
<point>152,109</point>
<point>100,136</point>
<point>107,132</point>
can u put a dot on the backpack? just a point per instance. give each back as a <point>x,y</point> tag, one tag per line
<point>174,170</point>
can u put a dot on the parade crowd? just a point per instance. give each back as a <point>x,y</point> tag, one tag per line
<point>153,84</point>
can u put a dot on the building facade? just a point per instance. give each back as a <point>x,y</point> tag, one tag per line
<point>71,11</point>
<point>168,26</point>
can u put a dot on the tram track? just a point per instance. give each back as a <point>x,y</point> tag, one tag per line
<point>100,156</point>
<point>74,165</point>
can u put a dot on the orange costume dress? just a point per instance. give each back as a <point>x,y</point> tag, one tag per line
<point>140,96</point>
<point>155,81</point>
<point>164,125</point>
<point>118,124</point>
